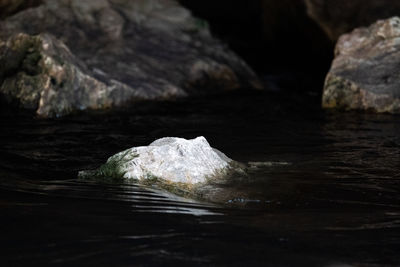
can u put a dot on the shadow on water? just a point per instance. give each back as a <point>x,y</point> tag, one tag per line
<point>336,201</point>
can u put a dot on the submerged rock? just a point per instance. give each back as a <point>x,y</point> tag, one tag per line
<point>188,168</point>
<point>365,73</point>
<point>98,54</point>
<point>169,159</point>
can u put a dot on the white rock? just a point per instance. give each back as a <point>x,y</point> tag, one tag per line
<point>170,158</point>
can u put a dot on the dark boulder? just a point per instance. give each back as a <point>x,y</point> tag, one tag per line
<point>77,54</point>
<point>365,73</point>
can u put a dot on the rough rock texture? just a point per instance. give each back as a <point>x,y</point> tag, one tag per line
<point>97,54</point>
<point>337,17</point>
<point>365,73</point>
<point>174,160</point>
<point>43,74</point>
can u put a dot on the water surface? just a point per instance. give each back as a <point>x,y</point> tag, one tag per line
<point>336,202</point>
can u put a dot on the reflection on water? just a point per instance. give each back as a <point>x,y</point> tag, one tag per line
<point>328,196</point>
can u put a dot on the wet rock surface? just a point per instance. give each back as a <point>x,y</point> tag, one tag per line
<point>365,73</point>
<point>172,159</point>
<point>112,53</point>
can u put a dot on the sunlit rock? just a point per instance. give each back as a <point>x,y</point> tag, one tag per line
<point>112,53</point>
<point>188,168</point>
<point>365,73</point>
<point>170,159</point>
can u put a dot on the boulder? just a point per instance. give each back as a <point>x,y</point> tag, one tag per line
<point>365,73</point>
<point>337,17</point>
<point>189,168</point>
<point>85,54</point>
<point>170,160</point>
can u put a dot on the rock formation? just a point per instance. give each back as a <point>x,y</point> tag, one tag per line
<point>169,159</point>
<point>72,55</point>
<point>365,73</point>
<point>337,17</point>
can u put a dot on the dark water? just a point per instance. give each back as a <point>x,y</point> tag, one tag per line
<point>336,202</point>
